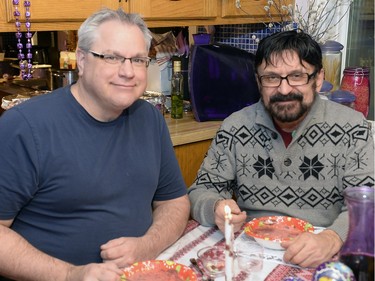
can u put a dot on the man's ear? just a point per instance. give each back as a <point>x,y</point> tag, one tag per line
<point>80,57</point>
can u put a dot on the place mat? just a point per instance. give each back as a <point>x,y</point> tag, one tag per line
<point>282,271</point>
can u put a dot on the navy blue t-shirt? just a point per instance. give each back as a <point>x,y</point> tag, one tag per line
<point>72,183</point>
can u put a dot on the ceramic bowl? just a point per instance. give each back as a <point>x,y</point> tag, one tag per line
<point>271,231</point>
<point>158,270</point>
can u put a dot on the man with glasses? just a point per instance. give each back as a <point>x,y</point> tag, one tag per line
<point>291,154</point>
<point>89,182</point>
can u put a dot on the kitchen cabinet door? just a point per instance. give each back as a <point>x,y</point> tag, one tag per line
<point>190,157</point>
<point>174,9</point>
<point>59,10</point>
<point>247,8</point>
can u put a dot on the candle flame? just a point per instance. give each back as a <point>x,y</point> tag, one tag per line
<point>227,210</point>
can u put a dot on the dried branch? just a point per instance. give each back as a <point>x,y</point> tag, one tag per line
<point>320,19</point>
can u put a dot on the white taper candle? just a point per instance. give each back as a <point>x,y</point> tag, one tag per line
<point>229,255</point>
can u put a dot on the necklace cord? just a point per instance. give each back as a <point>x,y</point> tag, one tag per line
<point>25,65</point>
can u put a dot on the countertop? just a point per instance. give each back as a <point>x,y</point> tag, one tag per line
<point>10,88</point>
<point>188,130</point>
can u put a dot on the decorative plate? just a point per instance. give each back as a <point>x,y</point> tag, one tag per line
<point>271,231</point>
<point>158,270</point>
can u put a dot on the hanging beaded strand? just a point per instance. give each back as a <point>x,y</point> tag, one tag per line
<point>25,65</point>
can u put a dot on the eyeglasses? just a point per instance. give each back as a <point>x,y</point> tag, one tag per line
<point>294,79</point>
<point>113,59</point>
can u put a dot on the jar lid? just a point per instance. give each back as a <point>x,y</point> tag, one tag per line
<point>342,96</point>
<point>331,46</point>
<point>356,70</point>
<point>326,87</point>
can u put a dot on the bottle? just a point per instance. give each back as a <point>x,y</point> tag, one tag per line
<point>177,91</point>
<point>358,249</point>
<point>356,80</point>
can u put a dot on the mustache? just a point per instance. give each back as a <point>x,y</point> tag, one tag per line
<point>290,97</point>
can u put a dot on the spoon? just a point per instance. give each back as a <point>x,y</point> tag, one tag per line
<point>196,266</point>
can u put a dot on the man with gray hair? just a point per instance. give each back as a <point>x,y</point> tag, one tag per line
<point>89,180</point>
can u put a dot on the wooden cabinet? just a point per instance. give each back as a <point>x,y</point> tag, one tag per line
<point>190,157</point>
<point>59,11</point>
<point>248,8</point>
<point>174,9</point>
<point>243,8</point>
<point>191,140</point>
<point>69,14</point>
<point>52,14</point>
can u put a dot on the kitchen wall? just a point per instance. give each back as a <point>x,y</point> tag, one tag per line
<point>242,36</point>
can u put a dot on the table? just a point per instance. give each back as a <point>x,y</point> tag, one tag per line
<point>197,236</point>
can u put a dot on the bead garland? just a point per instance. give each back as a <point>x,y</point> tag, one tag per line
<point>25,65</point>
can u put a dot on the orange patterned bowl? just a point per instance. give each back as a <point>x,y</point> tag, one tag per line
<point>271,231</point>
<point>158,270</point>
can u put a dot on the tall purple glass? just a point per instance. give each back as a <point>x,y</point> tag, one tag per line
<point>358,249</point>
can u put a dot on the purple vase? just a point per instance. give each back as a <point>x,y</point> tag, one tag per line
<point>358,249</point>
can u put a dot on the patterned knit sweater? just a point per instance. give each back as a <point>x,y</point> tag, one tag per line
<point>332,149</point>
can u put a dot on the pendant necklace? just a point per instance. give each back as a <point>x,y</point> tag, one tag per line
<point>25,65</point>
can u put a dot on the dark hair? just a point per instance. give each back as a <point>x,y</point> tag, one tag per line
<point>308,49</point>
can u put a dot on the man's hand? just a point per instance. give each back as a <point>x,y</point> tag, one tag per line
<point>310,250</point>
<point>238,217</point>
<point>125,251</point>
<point>169,221</point>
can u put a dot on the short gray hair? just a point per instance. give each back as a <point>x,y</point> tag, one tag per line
<point>87,33</point>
